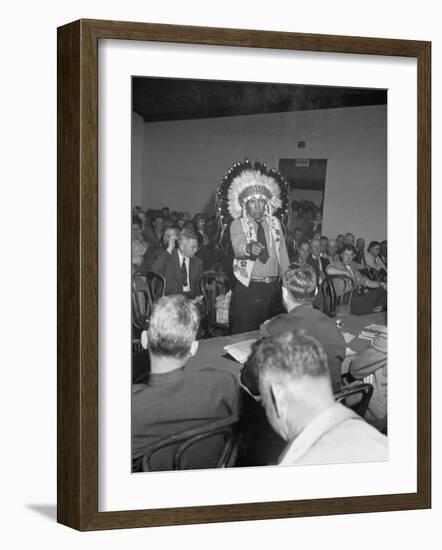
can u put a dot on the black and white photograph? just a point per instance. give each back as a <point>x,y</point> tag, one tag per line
<point>259,274</point>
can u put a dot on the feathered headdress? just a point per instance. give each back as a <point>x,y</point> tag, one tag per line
<point>244,181</point>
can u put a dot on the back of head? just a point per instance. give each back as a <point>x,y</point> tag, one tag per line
<point>290,356</point>
<point>173,327</point>
<point>300,282</point>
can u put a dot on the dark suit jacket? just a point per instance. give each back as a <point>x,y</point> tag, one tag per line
<point>169,266</point>
<point>175,401</point>
<point>151,237</point>
<point>314,262</point>
<point>316,324</point>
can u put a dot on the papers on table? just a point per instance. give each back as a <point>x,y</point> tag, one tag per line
<point>371,331</point>
<point>240,351</point>
<point>377,328</point>
<point>348,337</point>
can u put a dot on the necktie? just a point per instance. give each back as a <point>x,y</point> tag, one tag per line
<point>261,238</point>
<point>184,272</point>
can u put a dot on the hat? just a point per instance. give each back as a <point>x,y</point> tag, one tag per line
<point>243,182</point>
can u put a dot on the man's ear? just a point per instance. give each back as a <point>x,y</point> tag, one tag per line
<point>144,340</point>
<point>193,348</point>
<point>275,392</point>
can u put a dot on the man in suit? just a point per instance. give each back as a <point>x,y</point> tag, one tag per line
<point>180,267</point>
<point>298,292</point>
<point>298,399</point>
<point>316,261</point>
<point>153,233</point>
<point>177,397</point>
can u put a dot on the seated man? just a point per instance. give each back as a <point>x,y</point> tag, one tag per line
<point>373,259</point>
<point>317,261</point>
<point>180,267</point>
<point>371,365</point>
<point>370,296</point>
<point>298,292</point>
<point>295,386</point>
<point>176,398</point>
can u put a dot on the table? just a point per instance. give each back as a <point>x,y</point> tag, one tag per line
<point>260,445</point>
<point>211,353</point>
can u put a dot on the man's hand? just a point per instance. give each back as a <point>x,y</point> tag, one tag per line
<point>255,248</point>
<point>197,300</point>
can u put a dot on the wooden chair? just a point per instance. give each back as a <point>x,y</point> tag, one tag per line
<point>337,293</point>
<point>186,439</point>
<point>146,289</point>
<point>347,396</point>
<point>209,284</point>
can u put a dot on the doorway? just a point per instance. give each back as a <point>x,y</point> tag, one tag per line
<point>306,178</point>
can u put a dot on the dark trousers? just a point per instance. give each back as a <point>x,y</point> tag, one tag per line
<point>366,303</point>
<point>255,304</point>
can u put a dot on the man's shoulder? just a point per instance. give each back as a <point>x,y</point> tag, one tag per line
<point>277,324</point>
<point>209,375</point>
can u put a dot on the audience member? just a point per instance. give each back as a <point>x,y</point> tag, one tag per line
<point>165,213</point>
<point>373,259</point>
<point>370,296</point>
<point>349,238</point>
<point>340,242</point>
<point>323,245</point>
<point>200,230</point>
<point>139,246</point>
<point>153,233</point>
<point>298,292</point>
<point>175,397</point>
<point>360,251</point>
<point>317,223</point>
<point>383,252</point>
<point>302,254</point>
<point>316,261</point>
<point>332,249</point>
<point>180,267</point>
<point>297,395</point>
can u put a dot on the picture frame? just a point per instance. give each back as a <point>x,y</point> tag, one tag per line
<point>78,281</point>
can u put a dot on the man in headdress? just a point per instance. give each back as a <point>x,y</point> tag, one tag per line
<point>260,253</point>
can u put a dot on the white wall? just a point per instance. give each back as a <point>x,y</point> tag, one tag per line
<point>183,161</point>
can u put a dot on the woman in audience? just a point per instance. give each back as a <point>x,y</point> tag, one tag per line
<point>369,296</point>
<point>373,259</point>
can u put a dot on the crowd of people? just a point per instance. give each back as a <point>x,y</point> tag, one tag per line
<point>276,274</point>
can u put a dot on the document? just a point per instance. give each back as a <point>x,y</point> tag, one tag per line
<point>240,351</point>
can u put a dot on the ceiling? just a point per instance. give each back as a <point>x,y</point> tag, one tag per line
<point>161,99</point>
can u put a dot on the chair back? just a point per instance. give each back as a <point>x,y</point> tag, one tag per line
<point>209,284</point>
<point>348,396</point>
<point>146,288</point>
<point>185,440</point>
<point>141,302</point>
<point>338,292</point>
<point>156,283</point>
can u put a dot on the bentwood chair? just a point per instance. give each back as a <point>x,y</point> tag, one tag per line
<point>337,291</point>
<point>348,397</point>
<point>211,282</point>
<point>225,429</point>
<point>146,288</point>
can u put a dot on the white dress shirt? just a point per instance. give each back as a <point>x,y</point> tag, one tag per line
<point>186,287</point>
